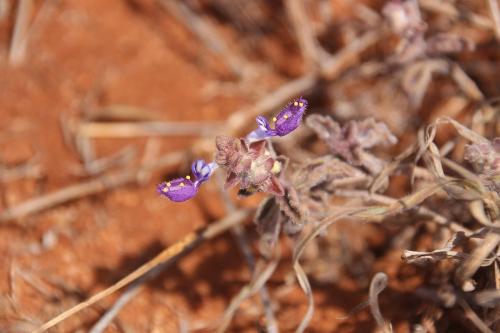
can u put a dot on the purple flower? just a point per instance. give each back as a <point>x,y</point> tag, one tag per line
<point>202,171</point>
<point>182,189</point>
<point>285,122</point>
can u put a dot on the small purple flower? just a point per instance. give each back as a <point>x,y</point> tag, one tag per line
<point>178,190</point>
<point>182,189</point>
<point>202,171</point>
<point>285,122</point>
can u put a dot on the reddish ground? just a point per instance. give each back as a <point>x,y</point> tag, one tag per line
<point>51,261</point>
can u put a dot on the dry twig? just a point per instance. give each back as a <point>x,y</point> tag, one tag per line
<point>309,46</point>
<point>201,28</point>
<point>183,246</point>
<point>91,187</point>
<point>450,10</point>
<point>378,284</point>
<point>17,51</point>
<point>495,16</point>
<point>239,234</point>
<point>139,129</point>
<point>4,9</point>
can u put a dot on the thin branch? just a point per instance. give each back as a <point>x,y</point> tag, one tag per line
<point>66,194</point>
<point>239,234</point>
<point>256,284</point>
<point>335,65</point>
<point>141,129</point>
<point>472,264</point>
<point>473,317</point>
<point>17,51</point>
<point>132,290</point>
<point>495,16</point>
<point>173,252</point>
<point>100,165</point>
<point>205,32</point>
<point>309,46</point>
<point>448,9</point>
<point>377,285</point>
<point>30,169</point>
<point>91,187</point>
<point>4,9</point>
<point>382,199</point>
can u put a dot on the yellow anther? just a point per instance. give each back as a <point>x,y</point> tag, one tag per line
<point>295,103</point>
<point>285,116</point>
<point>168,184</point>
<point>188,177</point>
<point>181,184</point>
<point>274,119</point>
<point>276,167</point>
<point>165,190</point>
<point>301,104</point>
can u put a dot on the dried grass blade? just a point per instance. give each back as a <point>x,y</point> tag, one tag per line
<point>186,244</point>
<point>377,285</point>
<point>474,318</point>
<point>258,281</point>
<point>306,287</point>
<point>495,16</point>
<point>380,179</point>
<point>466,84</point>
<point>472,264</point>
<point>488,298</point>
<point>463,131</point>
<point>476,208</point>
<point>416,198</point>
<point>17,51</point>
<point>146,129</point>
<point>301,275</point>
<point>439,254</point>
<point>309,46</point>
<point>450,10</point>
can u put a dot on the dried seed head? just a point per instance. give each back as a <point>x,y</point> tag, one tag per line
<point>353,139</point>
<point>483,156</point>
<point>485,159</point>
<point>248,164</point>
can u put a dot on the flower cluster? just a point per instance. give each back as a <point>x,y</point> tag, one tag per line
<point>247,161</point>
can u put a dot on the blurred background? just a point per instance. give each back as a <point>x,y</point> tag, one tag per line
<point>102,100</point>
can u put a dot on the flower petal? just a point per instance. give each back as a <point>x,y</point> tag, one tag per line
<point>202,171</point>
<point>274,186</point>
<point>257,148</point>
<point>290,117</point>
<point>263,132</point>
<point>231,180</point>
<point>263,123</point>
<point>178,190</point>
<point>258,135</point>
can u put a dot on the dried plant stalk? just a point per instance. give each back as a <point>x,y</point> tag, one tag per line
<point>186,244</point>
<point>378,284</point>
